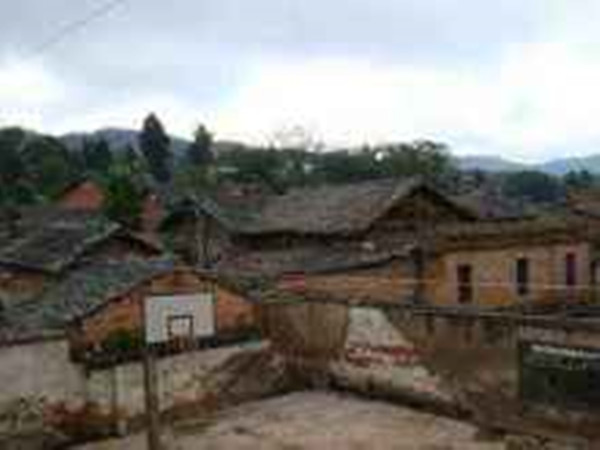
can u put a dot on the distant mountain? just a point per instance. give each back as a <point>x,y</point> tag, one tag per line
<point>118,139</point>
<point>489,164</point>
<point>558,166</point>
<point>121,138</point>
<point>562,166</point>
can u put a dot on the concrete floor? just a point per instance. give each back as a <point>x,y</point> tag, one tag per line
<point>314,420</point>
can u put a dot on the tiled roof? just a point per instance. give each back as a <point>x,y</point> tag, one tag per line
<point>51,240</point>
<point>78,294</point>
<point>308,259</point>
<point>325,210</point>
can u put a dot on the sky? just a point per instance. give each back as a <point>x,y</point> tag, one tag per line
<point>513,78</point>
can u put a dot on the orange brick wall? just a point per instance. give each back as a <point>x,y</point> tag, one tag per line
<point>389,283</point>
<point>232,311</point>
<point>494,274</point>
<point>493,278</point>
<point>19,284</point>
<point>86,196</point>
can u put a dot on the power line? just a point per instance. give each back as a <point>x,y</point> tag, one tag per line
<point>76,25</point>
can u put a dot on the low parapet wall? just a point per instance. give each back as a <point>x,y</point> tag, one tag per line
<point>46,393</point>
<point>466,358</point>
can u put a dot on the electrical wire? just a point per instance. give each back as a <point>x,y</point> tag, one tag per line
<point>75,26</point>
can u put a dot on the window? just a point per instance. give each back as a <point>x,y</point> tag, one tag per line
<point>180,326</point>
<point>522,276</point>
<point>464,275</point>
<point>570,269</point>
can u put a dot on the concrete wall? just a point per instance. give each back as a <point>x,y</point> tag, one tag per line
<point>459,361</point>
<point>40,370</point>
<point>33,378</point>
<point>192,378</point>
<point>44,390</point>
<point>377,356</point>
<point>354,347</point>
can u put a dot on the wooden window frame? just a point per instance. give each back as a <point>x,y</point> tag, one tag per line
<point>522,276</point>
<point>465,288</point>
<point>571,269</point>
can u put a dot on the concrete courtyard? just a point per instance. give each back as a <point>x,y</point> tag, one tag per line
<point>316,420</point>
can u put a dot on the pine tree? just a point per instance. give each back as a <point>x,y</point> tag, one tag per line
<point>97,155</point>
<point>199,153</point>
<point>155,146</point>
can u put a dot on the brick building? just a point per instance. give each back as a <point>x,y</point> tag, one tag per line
<point>40,245</point>
<point>100,306</point>
<point>87,195</point>
<point>393,241</point>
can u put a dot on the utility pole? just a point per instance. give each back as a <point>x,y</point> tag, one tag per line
<point>151,390</point>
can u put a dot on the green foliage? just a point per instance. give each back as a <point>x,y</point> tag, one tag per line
<point>283,168</point>
<point>248,165</point>
<point>97,156</point>
<point>124,197</point>
<point>155,146</point>
<point>122,341</point>
<point>12,168</point>
<point>426,159</point>
<point>50,166</point>
<point>199,153</point>
<point>533,186</point>
<point>343,166</point>
<point>579,179</point>
<point>198,173</point>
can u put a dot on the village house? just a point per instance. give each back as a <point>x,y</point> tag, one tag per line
<point>87,195</point>
<point>100,307</point>
<point>81,300</point>
<point>41,244</point>
<point>402,242</point>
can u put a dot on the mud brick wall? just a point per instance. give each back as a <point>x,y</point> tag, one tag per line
<point>494,274</point>
<point>232,312</point>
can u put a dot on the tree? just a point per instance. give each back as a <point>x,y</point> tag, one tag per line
<point>253,165</point>
<point>427,159</point>
<point>533,186</point>
<point>199,152</point>
<point>344,166</point>
<point>11,164</point>
<point>124,198</point>
<point>579,179</point>
<point>97,156</point>
<point>49,164</point>
<point>155,146</point>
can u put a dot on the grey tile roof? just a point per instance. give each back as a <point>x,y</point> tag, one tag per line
<point>49,240</point>
<point>308,259</point>
<point>79,293</point>
<point>325,210</point>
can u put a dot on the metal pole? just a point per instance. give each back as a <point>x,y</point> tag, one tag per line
<point>150,391</point>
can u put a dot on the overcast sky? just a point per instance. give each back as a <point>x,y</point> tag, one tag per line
<point>519,78</point>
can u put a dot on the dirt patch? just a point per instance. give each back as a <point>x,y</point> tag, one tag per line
<point>315,420</point>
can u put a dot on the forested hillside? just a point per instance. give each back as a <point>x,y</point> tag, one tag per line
<point>35,168</point>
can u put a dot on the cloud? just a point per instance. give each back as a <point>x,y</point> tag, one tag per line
<point>509,76</point>
<point>27,92</point>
